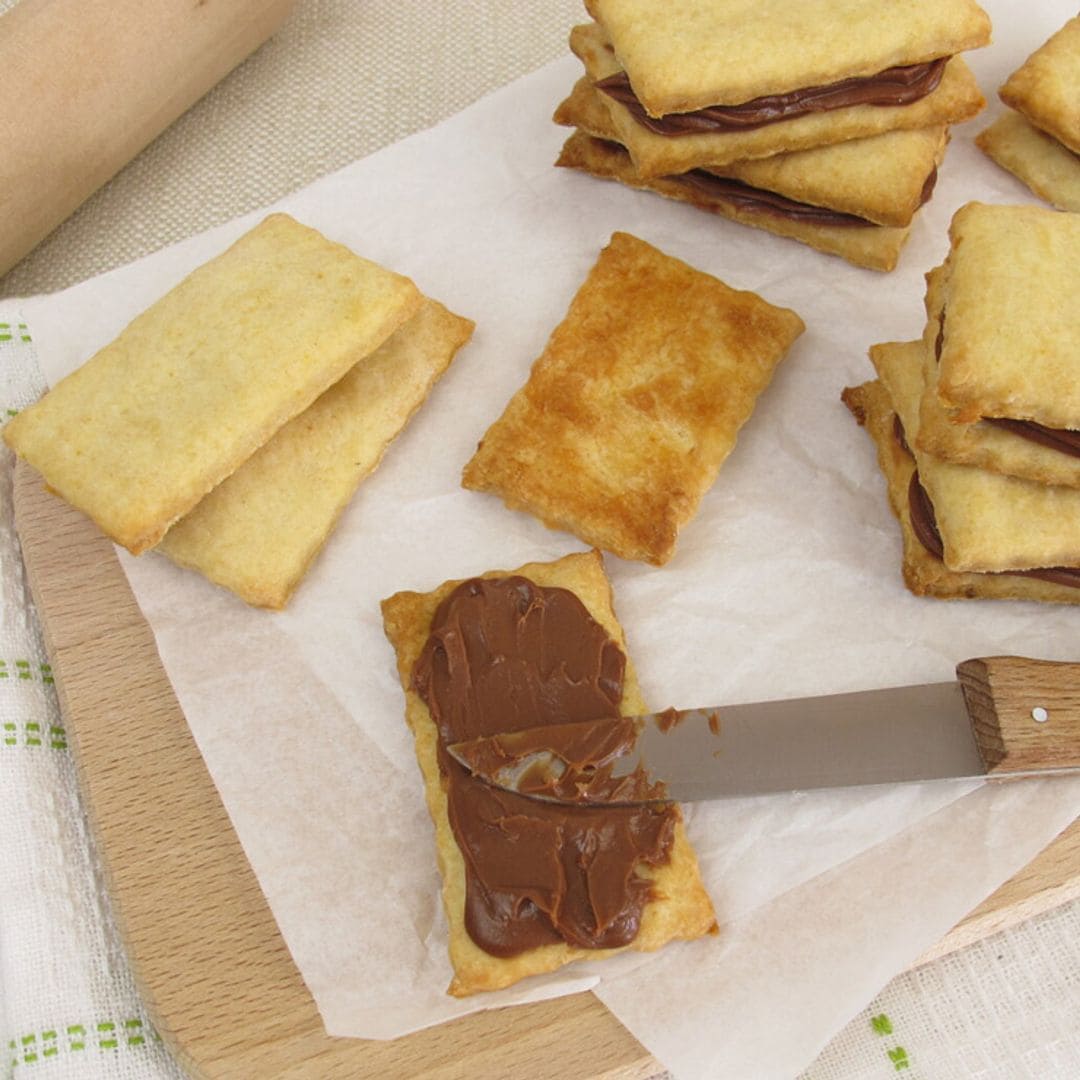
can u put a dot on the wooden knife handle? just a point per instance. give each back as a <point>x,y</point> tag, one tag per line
<point>1025,713</point>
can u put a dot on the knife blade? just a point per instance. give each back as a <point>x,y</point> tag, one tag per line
<point>1003,717</point>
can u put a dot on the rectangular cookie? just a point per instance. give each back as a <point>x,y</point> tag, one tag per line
<point>687,56</point>
<point>481,886</point>
<point>883,179</point>
<point>1037,456</point>
<point>138,434</point>
<point>1048,168</point>
<point>635,403</point>
<point>1046,87</point>
<point>874,247</point>
<point>1011,330</point>
<point>923,571</point>
<point>259,530</point>
<point>956,98</point>
<point>987,521</point>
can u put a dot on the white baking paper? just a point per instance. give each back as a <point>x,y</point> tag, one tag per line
<point>787,583</point>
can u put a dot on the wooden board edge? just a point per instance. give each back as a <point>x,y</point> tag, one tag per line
<point>292,1039</point>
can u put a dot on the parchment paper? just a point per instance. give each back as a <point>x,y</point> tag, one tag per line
<point>787,583</point>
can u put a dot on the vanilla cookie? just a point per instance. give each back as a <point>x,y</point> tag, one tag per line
<point>883,179</point>
<point>987,521</point>
<point>635,403</point>
<point>687,56</point>
<point>137,435</point>
<point>862,243</point>
<point>956,97</point>
<point>1015,448</point>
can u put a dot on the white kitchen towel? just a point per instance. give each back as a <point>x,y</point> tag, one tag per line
<point>68,1003</point>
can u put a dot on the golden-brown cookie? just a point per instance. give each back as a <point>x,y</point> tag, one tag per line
<point>635,403</point>
<point>259,530</point>
<point>680,908</point>
<point>138,434</point>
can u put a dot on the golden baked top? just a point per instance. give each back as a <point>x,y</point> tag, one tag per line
<point>635,403</point>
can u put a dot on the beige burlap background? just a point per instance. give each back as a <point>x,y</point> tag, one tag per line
<point>343,78</point>
<point>339,80</point>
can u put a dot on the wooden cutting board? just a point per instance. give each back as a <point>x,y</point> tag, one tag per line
<point>211,965</point>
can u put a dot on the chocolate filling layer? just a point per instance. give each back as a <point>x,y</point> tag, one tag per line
<point>893,86</point>
<point>924,525</point>
<point>1065,440</point>
<point>505,654</point>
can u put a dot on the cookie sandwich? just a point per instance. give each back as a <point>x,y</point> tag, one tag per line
<point>855,199</point>
<point>1038,138</point>
<point>834,141</point>
<point>969,428</point>
<point>713,81</point>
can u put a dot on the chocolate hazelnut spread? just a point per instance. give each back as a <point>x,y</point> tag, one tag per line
<point>924,525</point>
<point>741,195</point>
<point>1065,440</point>
<point>752,198</point>
<point>505,654</point>
<point>893,86</point>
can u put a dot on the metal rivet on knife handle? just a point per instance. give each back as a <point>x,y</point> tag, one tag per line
<point>998,692</point>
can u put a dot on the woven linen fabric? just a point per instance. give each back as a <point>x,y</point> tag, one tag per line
<point>340,80</point>
<point>1005,1008</point>
<point>68,1004</point>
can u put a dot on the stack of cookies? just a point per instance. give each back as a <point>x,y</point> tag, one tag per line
<point>977,425</point>
<point>1038,139</point>
<point>822,122</point>
<point>231,422</point>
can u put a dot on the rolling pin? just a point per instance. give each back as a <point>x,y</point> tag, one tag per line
<point>86,84</point>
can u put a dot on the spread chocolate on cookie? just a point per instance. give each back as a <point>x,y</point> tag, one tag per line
<point>505,655</point>
<point>893,86</point>
<point>1064,440</point>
